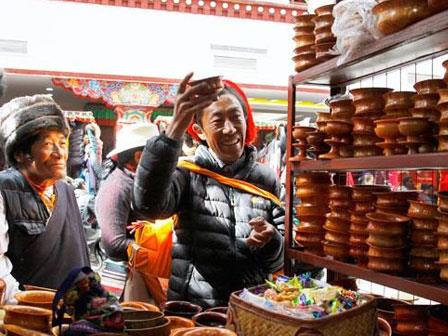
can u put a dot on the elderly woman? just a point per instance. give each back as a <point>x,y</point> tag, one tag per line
<point>41,236</point>
<point>226,238</point>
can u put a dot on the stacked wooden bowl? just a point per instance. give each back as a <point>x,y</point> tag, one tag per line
<point>424,254</point>
<point>369,105</point>
<point>300,135</point>
<point>324,38</point>
<point>304,52</point>
<point>312,191</point>
<point>396,202</point>
<point>337,224</point>
<point>442,107</point>
<point>387,240</point>
<point>442,235</point>
<point>363,202</point>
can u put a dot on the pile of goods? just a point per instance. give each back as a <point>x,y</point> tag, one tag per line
<point>304,297</point>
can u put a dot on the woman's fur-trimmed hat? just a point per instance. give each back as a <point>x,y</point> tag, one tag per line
<point>25,116</point>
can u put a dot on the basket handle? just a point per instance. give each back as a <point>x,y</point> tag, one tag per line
<point>306,331</point>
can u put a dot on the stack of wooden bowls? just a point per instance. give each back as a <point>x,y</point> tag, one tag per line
<point>442,107</point>
<point>369,105</point>
<point>424,254</point>
<point>363,202</point>
<point>304,53</point>
<point>442,235</point>
<point>316,144</point>
<point>324,38</point>
<point>418,133</point>
<point>337,224</point>
<point>312,191</point>
<point>387,241</point>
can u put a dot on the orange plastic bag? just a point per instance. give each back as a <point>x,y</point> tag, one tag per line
<point>154,243</point>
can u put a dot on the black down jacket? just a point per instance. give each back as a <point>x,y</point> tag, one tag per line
<point>210,255</point>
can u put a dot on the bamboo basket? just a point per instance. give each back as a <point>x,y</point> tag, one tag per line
<point>250,320</point>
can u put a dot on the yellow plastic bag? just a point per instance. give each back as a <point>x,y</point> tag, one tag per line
<point>154,243</point>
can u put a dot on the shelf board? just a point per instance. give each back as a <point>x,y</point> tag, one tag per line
<point>395,162</point>
<point>437,293</point>
<point>422,40</point>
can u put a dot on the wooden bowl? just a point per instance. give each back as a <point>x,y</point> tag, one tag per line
<point>302,40</point>
<point>422,210</point>
<point>138,305</point>
<point>363,125</point>
<point>358,240</point>
<point>141,319</point>
<point>387,129</point>
<point>364,207</point>
<point>315,138</point>
<point>366,193</point>
<point>337,251</point>
<point>337,238</point>
<point>385,241</point>
<point>424,265</point>
<point>342,107</point>
<point>340,216</point>
<point>340,192</point>
<point>177,322</point>
<point>314,178</point>
<point>35,298</point>
<point>443,92</point>
<point>368,106</point>
<point>425,252</point>
<point>394,15</point>
<point>338,127</point>
<point>180,308</point>
<point>337,226</point>
<point>358,228</point>
<point>385,228</point>
<point>28,317</point>
<point>304,30</point>
<point>365,151</point>
<point>358,251</point>
<point>387,219</point>
<point>385,265</point>
<point>324,10</point>
<point>384,328</point>
<point>396,113</point>
<point>442,242</point>
<point>426,100</point>
<point>323,21</point>
<point>336,204</point>
<point>425,224</point>
<point>413,126</point>
<point>208,331</point>
<point>309,239</point>
<point>363,93</point>
<point>432,114</point>
<point>161,329</point>
<point>316,191</point>
<point>386,253</point>
<point>365,139</point>
<point>395,198</point>
<point>305,20</point>
<point>312,210</point>
<point>443,225</point>
<point>214,84</point>
<point>399,100</point>
<point>443,143</point>
<point>15,330</point>
<point>324,35</point>
<point>397,210</point>
<point>358,218</point>
<point>304,61</point>
<point>210,319</point>
<point>423,237</point>
<point>429,86</point>
<point>301,132</point>
<point>411,312</point>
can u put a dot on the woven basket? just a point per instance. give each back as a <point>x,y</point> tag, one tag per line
<point>250,320</point>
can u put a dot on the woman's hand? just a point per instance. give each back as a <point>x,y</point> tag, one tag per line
<point>189,101</point>
<point>262,232</point>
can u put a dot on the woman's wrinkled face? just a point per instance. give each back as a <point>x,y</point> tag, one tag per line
<point>49,156</point>
<point>224,127</point>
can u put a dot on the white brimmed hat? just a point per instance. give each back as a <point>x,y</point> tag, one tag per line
<point>133,136</point>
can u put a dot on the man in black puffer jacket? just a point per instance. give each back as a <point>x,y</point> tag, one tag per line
<point>226,239</point>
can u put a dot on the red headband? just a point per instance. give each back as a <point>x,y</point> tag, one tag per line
<point>251,130</point>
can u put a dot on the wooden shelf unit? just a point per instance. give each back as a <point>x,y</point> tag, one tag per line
<point>423,40</point>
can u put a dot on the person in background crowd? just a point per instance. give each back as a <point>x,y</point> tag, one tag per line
<point>113,207</point>
<point>93,152</point>
<point>427,195</point>
<point>225,239</point>
<point>41,236</point>
<point>407,183</point>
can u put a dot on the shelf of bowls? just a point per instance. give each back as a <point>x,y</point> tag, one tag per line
<point>369,225</point>
<point>379,121</point>
<point>315,40</point>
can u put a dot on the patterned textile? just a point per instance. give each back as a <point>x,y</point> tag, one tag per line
<point>84,298</point>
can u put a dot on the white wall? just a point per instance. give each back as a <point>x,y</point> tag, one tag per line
<point>67,36</point>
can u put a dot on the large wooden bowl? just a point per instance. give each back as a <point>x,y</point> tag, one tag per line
<point>394,15</point>
<point>363,93</point>
<point>399,99</point>
<point>430,86</point>
<point>305,20</point>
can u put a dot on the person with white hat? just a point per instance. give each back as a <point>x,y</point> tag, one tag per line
<point>113,201</point>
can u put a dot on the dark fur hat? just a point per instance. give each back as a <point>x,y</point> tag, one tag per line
<point>25,116</point>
